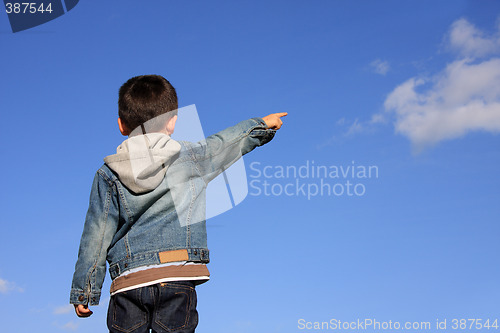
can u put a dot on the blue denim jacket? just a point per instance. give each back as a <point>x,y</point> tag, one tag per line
<point>129,229</point>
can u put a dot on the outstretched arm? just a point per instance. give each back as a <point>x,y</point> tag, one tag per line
<point>219,151</point>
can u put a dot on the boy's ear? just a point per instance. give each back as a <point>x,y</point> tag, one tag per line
<point>171,125</point>
<point>123,128</point>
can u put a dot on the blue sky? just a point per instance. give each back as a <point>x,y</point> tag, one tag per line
<point>411,87</point>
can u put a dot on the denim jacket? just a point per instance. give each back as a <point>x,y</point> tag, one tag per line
<point>129,223</point>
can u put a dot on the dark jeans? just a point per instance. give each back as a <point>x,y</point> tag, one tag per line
<point>164,307</point>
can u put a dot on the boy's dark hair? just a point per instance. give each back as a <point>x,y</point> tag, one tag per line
<point>145,97</point>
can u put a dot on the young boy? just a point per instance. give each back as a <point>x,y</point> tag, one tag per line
<point>146,214</point>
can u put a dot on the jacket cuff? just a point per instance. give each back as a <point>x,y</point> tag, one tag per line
<point>261,121</point>
<point>262,131</point>
<point>78,296</point>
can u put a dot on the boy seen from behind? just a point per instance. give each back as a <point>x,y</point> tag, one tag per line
<point>146,214</point>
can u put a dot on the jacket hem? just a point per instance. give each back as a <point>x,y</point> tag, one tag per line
<point>196,255</point>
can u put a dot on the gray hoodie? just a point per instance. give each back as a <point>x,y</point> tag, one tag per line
<point>141,161</point>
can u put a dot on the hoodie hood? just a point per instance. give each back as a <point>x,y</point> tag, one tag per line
<point>141,161</point>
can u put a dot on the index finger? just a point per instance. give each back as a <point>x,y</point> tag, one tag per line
<point>281,114</point>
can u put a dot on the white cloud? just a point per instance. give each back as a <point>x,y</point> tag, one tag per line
<point>380,67</point>
<point>472,42</point>
<point>3,286</point>
<point>341,121</point>
<point>69,326</point>
<point>355,127</point>
<point>463,97</point>
<point>378,118</point>
<point>6,287</point>
<point>345,129</point>
<point>63,309</point>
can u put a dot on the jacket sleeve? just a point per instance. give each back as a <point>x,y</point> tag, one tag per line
<point>219,151</point>
<point>100,226</point>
